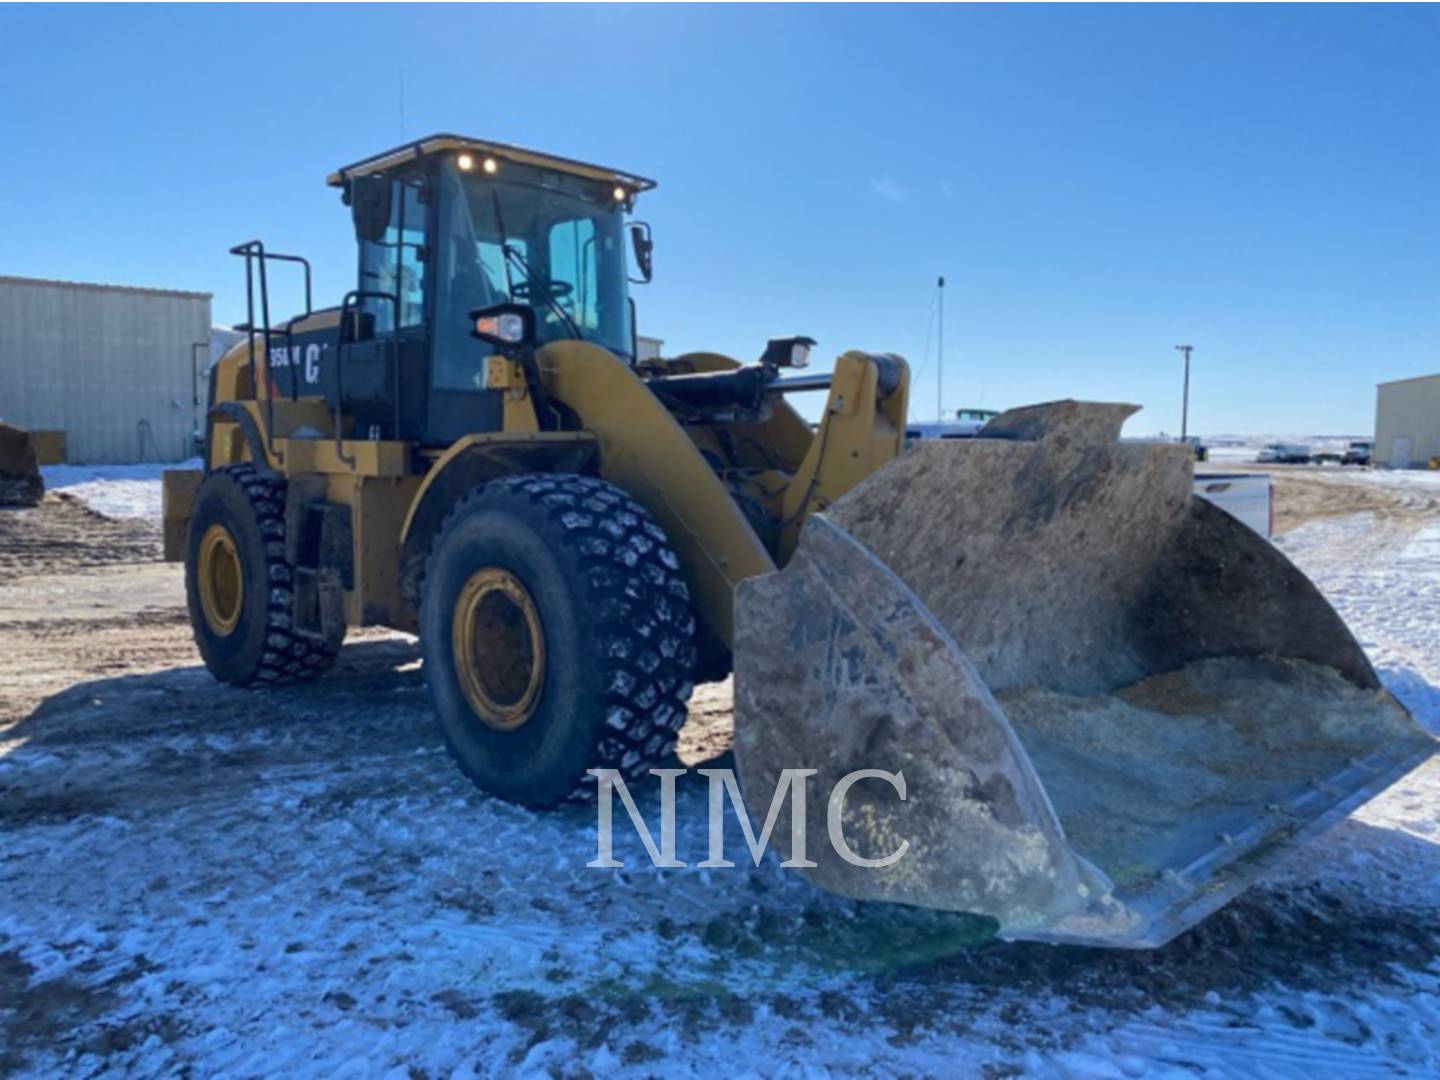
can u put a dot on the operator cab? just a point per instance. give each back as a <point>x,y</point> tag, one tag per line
<point>456,237</point>
<point>447,226</point>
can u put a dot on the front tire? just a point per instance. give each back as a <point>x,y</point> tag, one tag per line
<point>557,635</point>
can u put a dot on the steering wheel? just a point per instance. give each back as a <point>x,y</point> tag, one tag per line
<point>556,290</point>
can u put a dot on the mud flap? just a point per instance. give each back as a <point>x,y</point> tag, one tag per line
<point>177,497</point>
<point>1113,705</point>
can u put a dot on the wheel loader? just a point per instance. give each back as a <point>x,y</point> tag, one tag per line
<point>20,481</point>
<point>1111,703</point>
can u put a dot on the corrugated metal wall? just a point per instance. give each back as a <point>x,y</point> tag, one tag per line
<point>1407,423</point>
<point>110,366</point>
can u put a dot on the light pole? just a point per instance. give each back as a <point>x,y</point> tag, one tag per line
<point>1185,401</point>
<point>940,356</point>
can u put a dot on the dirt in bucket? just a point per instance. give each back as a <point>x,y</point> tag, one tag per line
<point>1155,774</point>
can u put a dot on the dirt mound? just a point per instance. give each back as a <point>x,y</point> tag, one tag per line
<point>61,534</point>
<point>1301,498</point>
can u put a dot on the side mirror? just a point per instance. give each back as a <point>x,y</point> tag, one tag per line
<point>505,326</point>
<point>644,248</point>
<point>370,207</point>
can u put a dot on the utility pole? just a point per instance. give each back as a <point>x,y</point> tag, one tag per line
<point>940,358</point>
<point>1185,401</point>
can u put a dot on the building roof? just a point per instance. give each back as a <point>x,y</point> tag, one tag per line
<point>1412,378</point>
<point>52,283</point>
<point>434,144</point>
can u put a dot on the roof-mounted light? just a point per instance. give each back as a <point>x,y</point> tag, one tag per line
<point>466,162</point>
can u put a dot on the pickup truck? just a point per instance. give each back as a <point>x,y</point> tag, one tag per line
<point>1358,453</point>
<point>1249,497</point>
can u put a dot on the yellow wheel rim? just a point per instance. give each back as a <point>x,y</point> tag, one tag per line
<point>221,580</point>
<point>499,648</point>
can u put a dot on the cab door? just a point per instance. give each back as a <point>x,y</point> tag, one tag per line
<point>469,273</point>
<point>382,373</point>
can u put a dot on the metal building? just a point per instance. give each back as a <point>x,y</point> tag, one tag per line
<point>648,348</point>
<point>1407,423</point>
<point>109,365</point>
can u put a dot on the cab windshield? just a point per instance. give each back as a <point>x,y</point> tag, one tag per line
<point>528,236</point>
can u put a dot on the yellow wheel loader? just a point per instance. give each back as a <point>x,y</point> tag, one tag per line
<point>1102,705</point>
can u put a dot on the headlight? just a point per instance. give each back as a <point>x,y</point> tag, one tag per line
<point>791,352</point>
<point>504,325</point>
<point>509,328</point>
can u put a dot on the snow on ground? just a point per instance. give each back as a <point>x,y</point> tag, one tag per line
<point>1384,579</point>
<point>301,884</point>
<point>119,491</point>
<point>1401,479</point>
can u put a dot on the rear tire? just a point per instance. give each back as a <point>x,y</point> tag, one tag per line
<point>584,653</point>
<point>240,587</point>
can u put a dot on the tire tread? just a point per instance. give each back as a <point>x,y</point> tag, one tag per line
<point>289,656</point>
<point>632,577</point>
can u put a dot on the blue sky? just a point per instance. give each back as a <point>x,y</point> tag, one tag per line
<point>1096,184</point>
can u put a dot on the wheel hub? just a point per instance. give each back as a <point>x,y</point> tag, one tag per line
<point>221,580</point>
<point>499,648</point>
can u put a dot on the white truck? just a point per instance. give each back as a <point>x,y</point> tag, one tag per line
<point>966,425</point>
<point>1284,453</point>
<point>1358,452</point>
<point>1249,497</point>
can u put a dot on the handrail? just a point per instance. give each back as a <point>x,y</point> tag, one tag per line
<point>253,252</point>
<point>258,248</point>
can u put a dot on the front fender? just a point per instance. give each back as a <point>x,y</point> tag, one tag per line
<point>647,454</point>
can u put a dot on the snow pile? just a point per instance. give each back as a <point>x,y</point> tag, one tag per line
<point>118,491</point>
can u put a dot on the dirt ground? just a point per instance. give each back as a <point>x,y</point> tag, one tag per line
<point>84,596</point>
<point>127,764</point>
<point>1304,494</point>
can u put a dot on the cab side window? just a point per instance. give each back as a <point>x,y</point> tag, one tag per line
<point>395,265</point>
<point>572,261</point>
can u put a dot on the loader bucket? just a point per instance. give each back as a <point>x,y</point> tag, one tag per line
<point>20,480</point>
<point>1113,705</point>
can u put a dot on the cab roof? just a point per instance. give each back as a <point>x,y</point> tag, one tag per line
<point>437,144</point>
